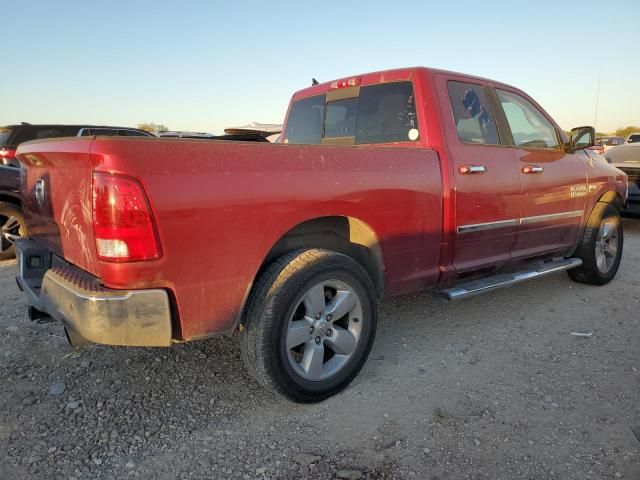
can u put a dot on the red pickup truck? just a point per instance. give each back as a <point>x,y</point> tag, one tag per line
<point>382,184</point>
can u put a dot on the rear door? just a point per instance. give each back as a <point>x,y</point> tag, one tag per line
<point>553,182</point>
<point>486,178</point>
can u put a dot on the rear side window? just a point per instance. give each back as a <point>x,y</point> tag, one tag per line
<point>529,127</point>
<point>634,138</point>
<point>472,114</point>
<point>304,124</point>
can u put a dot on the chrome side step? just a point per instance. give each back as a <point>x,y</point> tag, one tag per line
<point>482,285</point>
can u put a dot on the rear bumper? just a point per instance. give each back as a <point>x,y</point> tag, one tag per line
<point>90,312</point>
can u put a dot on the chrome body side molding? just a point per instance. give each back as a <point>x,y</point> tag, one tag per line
<point>477,227</point>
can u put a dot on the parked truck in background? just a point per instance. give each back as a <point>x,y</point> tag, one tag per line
<point>627,159</point>
<point>383,183</point>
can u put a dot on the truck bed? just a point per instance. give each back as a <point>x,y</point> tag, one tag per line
<point>220,207</point>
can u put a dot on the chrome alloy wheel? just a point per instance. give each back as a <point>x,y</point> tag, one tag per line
<point>324,330</point>
<point>606,245</point>
<point>9,225</point>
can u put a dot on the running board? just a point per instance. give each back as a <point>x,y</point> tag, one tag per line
<point>482,285</point>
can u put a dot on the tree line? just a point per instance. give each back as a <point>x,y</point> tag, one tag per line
<point>153,127</point>
<point>626,131</point>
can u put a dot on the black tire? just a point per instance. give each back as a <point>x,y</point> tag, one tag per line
<point>589,272</point>
<point>274,300</point>
<point>8,211</point>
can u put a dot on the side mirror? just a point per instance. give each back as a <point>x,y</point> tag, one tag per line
<point>582,137</point>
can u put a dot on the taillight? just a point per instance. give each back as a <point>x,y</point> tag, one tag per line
<point>122,220</point>
<point>351,82</point>
<point>8,157</point>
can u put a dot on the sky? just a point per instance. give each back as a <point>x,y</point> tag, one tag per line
<point>207,65</point>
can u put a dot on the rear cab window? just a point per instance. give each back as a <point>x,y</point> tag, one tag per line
<point>374,114</point>
<point>340,118</point>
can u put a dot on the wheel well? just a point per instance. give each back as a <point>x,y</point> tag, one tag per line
<point>9,199</point>
<point>613,198</point>
<point>346,235</point>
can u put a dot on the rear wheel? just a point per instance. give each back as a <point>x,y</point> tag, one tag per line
<point>12,222</point>
<point>310,323</point>
<point>600,248</point>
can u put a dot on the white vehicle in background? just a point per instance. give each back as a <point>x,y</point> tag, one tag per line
<point>181,134</point>
<point>633,138</point>
<point>251,132</point>
<point>270,131</point>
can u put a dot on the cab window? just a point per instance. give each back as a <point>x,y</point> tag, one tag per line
<point>340,118</point>
<point>472,114</point>
<point>380,113</point>
<point>529,127</point>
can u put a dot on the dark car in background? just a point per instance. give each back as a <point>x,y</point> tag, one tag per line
<point>11,218</point>
<point>606,143</point>
<point>13,135</point>
<point>627,158</point>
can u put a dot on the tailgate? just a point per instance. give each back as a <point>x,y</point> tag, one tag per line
<point>57,196</point>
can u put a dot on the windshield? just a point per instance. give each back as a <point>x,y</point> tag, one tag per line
<point>5,133</point>
<point>634,138</point>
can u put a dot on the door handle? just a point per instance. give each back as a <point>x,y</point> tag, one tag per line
<point>470,169</point>
<point>532,169</point>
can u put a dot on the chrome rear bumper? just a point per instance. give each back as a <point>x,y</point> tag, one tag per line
<point>90,312</point>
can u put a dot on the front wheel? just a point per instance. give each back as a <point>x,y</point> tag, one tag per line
<point>309,325</point>
<point>600,248</point>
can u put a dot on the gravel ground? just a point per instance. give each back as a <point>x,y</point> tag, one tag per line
<point>493,387</point>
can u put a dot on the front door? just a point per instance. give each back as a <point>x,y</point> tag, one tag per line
<point>553,182</point>
<point>485,177</point>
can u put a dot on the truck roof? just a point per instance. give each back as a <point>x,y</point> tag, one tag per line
<point>382,76</point>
